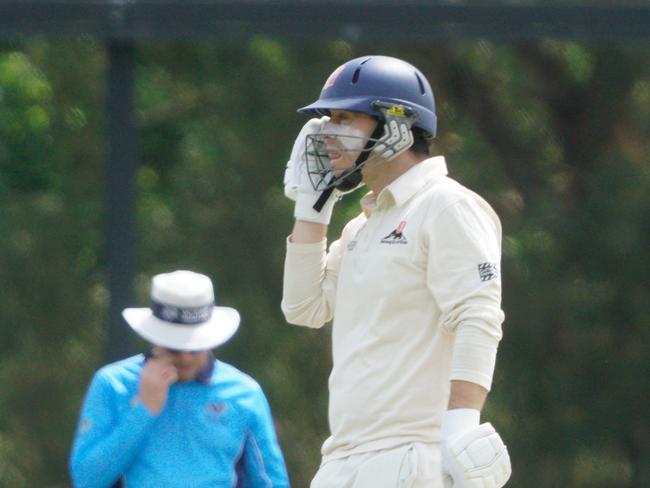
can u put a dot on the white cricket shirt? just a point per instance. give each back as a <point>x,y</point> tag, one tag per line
<point>414,291</point>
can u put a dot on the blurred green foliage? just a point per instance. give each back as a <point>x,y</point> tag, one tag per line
<point>553,134</point>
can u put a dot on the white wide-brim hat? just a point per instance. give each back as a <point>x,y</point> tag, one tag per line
<point>182,314</point>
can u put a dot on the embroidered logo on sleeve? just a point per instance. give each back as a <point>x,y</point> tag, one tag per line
<point>488,271</point>
<point>397,236</point>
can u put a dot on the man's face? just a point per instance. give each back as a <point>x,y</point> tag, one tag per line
<point>187,363</point>
<point>345,135</point>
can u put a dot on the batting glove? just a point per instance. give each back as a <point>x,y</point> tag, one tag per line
<point>297,185</point>
<point>473,455</point>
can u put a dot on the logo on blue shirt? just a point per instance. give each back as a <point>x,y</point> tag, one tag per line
<point>216,408</point>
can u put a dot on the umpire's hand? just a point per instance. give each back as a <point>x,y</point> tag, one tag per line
<point>157,375</point>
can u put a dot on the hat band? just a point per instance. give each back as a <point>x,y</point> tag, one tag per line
<point>181,315</point>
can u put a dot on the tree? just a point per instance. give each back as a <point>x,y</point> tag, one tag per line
<point>553,134</point>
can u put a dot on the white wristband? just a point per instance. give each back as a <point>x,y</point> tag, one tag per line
<point>459,420</point>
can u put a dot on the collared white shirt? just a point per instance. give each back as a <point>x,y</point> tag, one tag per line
<point>414,291</point>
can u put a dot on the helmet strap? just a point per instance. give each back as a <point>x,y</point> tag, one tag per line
<point>353,178</point>
<point>322,199</point>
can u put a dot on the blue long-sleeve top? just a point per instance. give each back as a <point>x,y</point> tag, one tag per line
<point>215,433</point>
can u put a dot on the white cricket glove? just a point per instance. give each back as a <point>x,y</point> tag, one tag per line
<point>297,185</point>
<point>473,455</point>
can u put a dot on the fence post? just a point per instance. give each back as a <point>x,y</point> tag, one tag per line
<point>121,165</point>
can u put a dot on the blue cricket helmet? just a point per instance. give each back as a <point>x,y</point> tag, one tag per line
<point>361,82</point>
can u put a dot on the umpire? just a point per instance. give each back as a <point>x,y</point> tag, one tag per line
<point>175,416</point>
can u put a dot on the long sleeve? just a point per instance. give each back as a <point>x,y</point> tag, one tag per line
<point>311,278</point>
<point>464,277</point>
<point>103,447</point>
<point>262,462</point>
<point>309,287</point>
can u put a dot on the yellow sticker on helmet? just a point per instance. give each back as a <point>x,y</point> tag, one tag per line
<point>396,111</point>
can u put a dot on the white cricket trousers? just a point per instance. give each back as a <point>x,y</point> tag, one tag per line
<point>414,465</point>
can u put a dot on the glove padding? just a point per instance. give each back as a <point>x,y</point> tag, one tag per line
<point>297,185</point>
<point>476,458</point>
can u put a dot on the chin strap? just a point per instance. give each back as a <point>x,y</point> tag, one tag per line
<point>353,178</point>
<point>324,196</point>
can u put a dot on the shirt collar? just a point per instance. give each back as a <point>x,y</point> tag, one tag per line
<point>407,185</point>
<point>205,374</point>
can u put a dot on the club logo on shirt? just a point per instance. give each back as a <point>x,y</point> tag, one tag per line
<point>488,271</point>
<point>216,408</point>
<point>352,245</point>
<point>396,236</point>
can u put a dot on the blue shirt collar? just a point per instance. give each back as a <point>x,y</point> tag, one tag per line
<point>205,375</point>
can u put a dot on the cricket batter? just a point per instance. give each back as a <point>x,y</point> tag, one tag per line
<point>176,417</point>
<point>412,285</point>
